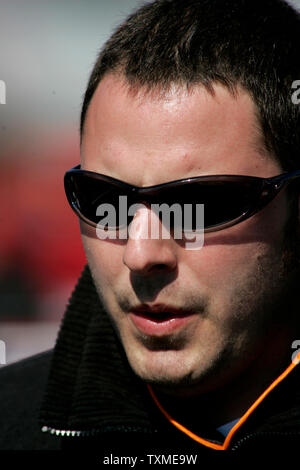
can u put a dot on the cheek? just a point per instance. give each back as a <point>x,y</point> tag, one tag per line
<point>231,258</point>
<point>233,253</point>
<point>104,257</point>
<point>219,266</point>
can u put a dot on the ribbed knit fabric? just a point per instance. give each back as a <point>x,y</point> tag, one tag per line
<point>91,384</point>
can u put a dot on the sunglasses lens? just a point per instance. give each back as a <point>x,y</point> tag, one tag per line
<point>224,201</point>
<point>94,199</point>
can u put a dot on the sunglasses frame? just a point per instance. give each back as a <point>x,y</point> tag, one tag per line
<point>270,187</point>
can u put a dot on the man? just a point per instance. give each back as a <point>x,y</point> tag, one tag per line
<point>167,345</point>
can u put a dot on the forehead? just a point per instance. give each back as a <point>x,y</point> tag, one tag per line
<point>148,137</point>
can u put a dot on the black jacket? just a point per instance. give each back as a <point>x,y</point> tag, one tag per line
<point>83,396</point>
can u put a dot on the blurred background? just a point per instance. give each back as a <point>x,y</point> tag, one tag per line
<point>47,50</point>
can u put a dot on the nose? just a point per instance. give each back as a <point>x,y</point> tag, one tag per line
<point>143,253</point>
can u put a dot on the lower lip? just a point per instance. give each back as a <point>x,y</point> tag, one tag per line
<point>151,326</point>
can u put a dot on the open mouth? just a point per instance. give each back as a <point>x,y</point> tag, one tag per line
<point>159,323</point>
<point>160,317</point>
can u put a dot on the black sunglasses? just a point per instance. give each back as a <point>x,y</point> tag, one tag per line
<point>227,199</point>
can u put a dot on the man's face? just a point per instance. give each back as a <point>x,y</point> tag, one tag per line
<point>231,285</point>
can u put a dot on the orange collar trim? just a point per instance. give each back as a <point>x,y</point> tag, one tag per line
<point>241,421</point>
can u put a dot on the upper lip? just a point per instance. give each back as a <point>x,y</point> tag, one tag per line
<point>159,308</point>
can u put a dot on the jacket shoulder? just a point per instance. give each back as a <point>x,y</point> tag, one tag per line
<point>22,385</point>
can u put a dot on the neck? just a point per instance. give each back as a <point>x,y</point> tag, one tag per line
<point>231,400</point>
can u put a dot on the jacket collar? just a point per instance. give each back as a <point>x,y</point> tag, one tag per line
<point>91,384</point>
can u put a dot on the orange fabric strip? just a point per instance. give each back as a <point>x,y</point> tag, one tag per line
<point>241,421</point>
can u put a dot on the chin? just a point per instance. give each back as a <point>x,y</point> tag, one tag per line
<point>162,367</point>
